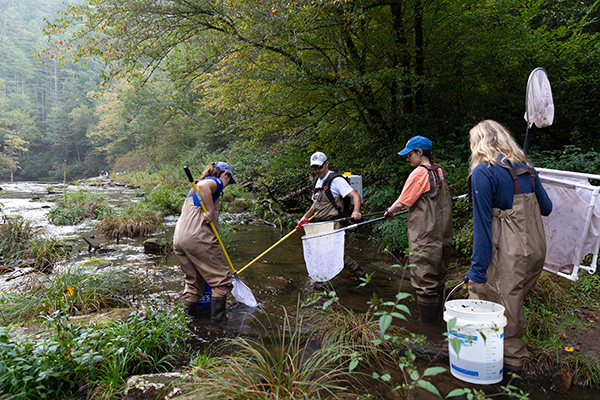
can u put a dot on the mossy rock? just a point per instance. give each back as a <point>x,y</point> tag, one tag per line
<point>97,263</point>
<point>157,246</point>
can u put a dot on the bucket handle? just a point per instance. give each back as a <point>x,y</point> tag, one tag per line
<point>465,281</point>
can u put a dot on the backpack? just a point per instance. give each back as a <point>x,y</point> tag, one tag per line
<point>346,209</point>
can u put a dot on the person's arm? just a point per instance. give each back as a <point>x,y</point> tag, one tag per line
<point>206,188</point>
<point>482,187</point>
<point>308,214</point>
<point>542,197</point>
<point>396,206</point>
<point>356,215</point>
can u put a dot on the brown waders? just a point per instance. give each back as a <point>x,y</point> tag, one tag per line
<point>325,211</point>
<point>201,259</point>
<point>430,242</point>
<point>519,251</point>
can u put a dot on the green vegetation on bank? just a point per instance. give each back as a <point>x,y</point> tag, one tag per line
<point>73,360</point>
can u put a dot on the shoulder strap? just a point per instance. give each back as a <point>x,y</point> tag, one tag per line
<point>515,172</point>
<point>434,177</point>
<point>327,189</point>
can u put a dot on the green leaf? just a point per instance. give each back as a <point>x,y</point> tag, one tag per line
<point>429,387</point>
<point>458,392</point>
<point>434,371</point>
<point>384,323</point>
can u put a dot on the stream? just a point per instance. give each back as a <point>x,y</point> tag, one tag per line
<point>278,280</point>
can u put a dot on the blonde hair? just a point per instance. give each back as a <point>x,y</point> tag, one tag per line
<point>489,139</point>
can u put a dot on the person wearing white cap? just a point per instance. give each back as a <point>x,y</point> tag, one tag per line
<point>427,195</point>
<point>329,191</point>
<point>196,246</point>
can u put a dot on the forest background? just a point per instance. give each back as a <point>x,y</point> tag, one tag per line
<point>149,86</point>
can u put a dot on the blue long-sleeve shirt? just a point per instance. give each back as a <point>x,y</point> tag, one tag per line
<point>492,187</point>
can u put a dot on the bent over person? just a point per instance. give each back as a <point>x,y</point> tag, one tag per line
<point>427,195</point>
<point>509,243</point>
<point>197,248</point>
<point>329,191</point>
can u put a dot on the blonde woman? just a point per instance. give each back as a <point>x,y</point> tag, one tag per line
<point>509,244</point>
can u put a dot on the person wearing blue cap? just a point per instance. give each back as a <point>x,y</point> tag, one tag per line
<point>196,246</point>
<point>427,195</point>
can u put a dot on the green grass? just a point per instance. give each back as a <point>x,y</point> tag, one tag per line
<point>75,207</point>
<point>74,291</point>
<point>21,241</point>
<point>285,364</point>
<point>557,311</point>
<point>134,220</point>
<point>71,359</point>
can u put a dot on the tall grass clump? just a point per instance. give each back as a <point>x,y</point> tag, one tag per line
<point>76,361</point>
<point>285,364</point>
<point>134,220</point>
<point>75,207</point>
<point>20,241</point>
<point>73,291</point>
<point>15,235</point>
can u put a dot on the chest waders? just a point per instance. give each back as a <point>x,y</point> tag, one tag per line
<point>518,254</point>
<point>430,242</point>
<point>324,210</point>
<point>201,259</point>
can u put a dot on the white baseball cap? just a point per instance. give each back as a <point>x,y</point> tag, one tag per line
<point>318,159</point>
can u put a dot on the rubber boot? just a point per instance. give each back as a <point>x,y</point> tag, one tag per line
<point>354,268</point>
<point>217,309</point>
<point>189,309</point>
<point>429,313</point>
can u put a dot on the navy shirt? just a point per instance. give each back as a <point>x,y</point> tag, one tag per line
<point>493,187</point>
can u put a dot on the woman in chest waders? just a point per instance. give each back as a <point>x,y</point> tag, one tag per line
<point>196,246</point>
<point>509,244</point>
<point>427,194</point>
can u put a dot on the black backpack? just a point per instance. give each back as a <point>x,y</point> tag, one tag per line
<point>346,209</point>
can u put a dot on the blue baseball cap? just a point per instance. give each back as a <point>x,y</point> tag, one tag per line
<point>416,142</point>
<point>222,166</point>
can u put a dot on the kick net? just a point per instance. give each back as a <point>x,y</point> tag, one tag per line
<point>573,227</point>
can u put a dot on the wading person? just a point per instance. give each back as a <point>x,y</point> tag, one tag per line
<point>427,195</point>
<point>197,249</point>
<point>509,244</point>
<point>329,191</point>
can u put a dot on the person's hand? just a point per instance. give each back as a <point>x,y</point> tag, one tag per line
<point>209,215</point>
<point>388,214</point>
<point>302,221</point>
<point>356,215</point>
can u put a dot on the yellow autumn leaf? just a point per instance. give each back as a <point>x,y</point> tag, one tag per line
<point>569,348</point>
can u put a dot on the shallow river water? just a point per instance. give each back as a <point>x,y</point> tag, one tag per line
<point>278,280</point>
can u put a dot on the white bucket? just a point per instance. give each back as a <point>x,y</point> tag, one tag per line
<point>318,228</point>
<point>480,329</point>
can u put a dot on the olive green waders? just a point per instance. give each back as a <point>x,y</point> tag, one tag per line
<point>430,242</point>
<point>519,251</point>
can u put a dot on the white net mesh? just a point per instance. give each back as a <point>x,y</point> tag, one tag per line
<point>573,227</point>
<point>243,294</point>
<point>324,255</point>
